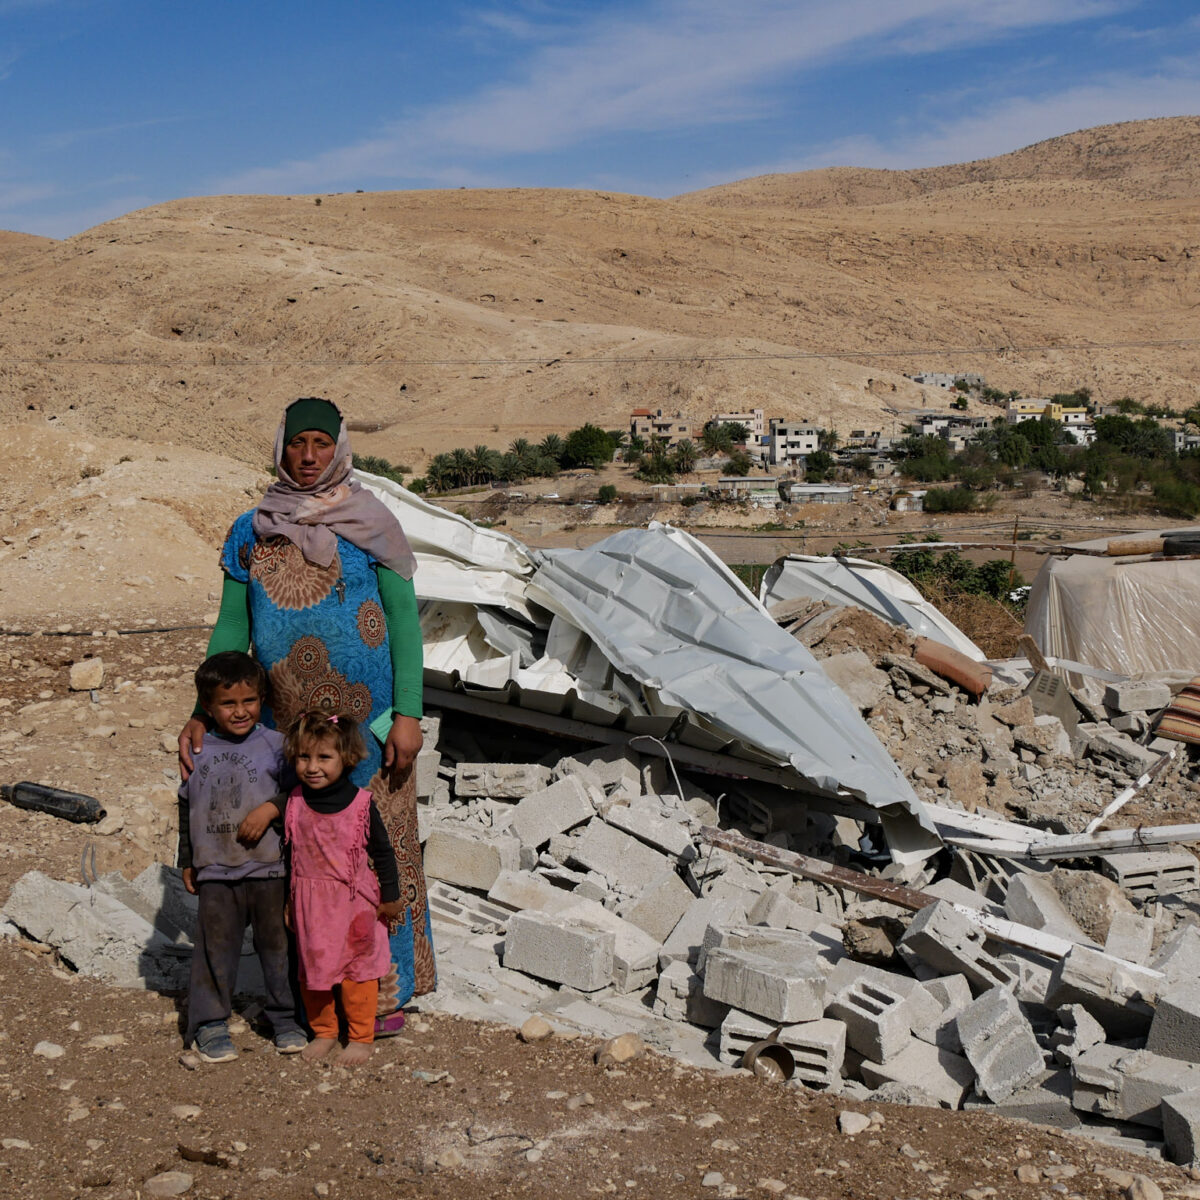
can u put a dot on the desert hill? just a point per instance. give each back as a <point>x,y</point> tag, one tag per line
<point>444,318</point>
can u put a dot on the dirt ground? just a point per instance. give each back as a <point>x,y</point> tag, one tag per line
<point>455,1109</point>
<point>450,1108</point>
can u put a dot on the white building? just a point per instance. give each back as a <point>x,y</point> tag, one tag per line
<point>789,443</point>
<point>753,421</point>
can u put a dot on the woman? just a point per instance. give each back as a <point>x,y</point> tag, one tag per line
<point>319,578</point>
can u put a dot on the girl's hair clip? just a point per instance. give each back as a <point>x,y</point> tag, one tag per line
<point>333,719</point>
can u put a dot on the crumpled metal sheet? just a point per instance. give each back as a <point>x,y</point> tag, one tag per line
<point>680,623</point>
<point>869,585</point>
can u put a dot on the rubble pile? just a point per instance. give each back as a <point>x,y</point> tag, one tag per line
<point>1052,760</point>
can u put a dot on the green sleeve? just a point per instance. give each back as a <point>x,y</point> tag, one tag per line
<point>232,630</point>
<point>399,600</point>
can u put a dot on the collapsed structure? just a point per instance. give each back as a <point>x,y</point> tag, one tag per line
<point>653,801</point>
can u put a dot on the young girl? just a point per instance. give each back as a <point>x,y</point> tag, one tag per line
<point>340,908</point>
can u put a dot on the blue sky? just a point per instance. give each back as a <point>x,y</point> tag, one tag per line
<point>111,105</point>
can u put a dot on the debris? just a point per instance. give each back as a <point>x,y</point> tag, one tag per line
<point>40,797</point>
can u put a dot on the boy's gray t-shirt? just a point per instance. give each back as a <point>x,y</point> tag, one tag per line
<point>228,779</point>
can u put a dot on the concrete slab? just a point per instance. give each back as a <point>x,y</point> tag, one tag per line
<point>764,986</point>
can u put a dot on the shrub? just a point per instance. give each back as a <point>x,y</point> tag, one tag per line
<point>607,493</point>
<point>952,500</point>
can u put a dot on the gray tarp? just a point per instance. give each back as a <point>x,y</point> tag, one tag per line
<point>691,634</point>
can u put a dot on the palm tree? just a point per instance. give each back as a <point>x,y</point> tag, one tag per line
<point>552,447</point>
<point>685,457</point>
<point>460,465</point>
<point>716,439</point>
<point>439,474</point>
<point>521,447</point>
<point>484,463</point>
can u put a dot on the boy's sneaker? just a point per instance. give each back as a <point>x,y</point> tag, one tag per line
<point>213,1043</point>
<point>290,1041</point>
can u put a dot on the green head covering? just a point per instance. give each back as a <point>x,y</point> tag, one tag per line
<point>311,413</point>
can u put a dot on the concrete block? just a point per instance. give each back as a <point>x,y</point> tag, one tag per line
<point>163,900</point>
<point>952,992</point>
<point>501,781</point>
<point>1044,1101</point>
<point>573,768</point>
<point>1034,901</point>
<point>629,865</point>
<point>764,986</point>
<point>635,952</point>
<point>97,934</point>
<point>660,907</point>
<point>1178,958</point>
<point>943,1075</point>
<point>1119,995</point>
<point>1108,743</point>
<point>920,1008</point>
<point>469,859</point>
<point>943,939</point>
<point>686,939</point>
<point>1175,1029</point>
<point>520,890</point>
<point>1137,695</point>
<point>449,905</point>
<point>999,1043</point>
<point>427,765</point>
<point>1181,1127</point>
<point>680,997</point>
<point>1153,872</point>
<point>1033,975</point>
<point>615,766</point>
<point>554,809</point>
<point>1078,1031</point>
<point>1129,1085</point>
<point>876,1020</point>
<point>1130,937</point>
<point>817,1047</point>
<point>559,949</point>
<point>783,945</point>
<point>659,833</point>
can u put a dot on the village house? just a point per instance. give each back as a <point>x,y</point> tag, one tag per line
<point>752,419</point>
<point>671,428</point>
<point>790,443</point>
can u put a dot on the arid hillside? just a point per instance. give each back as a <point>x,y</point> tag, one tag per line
<point>446,318</point>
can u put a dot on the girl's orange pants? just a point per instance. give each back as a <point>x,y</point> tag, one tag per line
<point>358,1007</point>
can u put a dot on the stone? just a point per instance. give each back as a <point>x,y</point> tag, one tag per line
<point>48,1050</point>
<point>621,1049</point>
<point>1033,900</point>
<point>965,781</point>
<point>555,809</point>
<point>765,986</point>
<point>1130,937</point>
<point>1143,1188</point>
<point>1091,899</point>
<point>1129,1085</point>
<point>559,949</point>
<point>1106,742</point>
<point>686,940</point>
<point>168,1183</point>
<point>1015,713</point>
<point>850,1122</point>
<point>86,675</point>
<point>536,1029</point>
<point>943,1075</point>
<point>857,676</point>
<point>520,890</point>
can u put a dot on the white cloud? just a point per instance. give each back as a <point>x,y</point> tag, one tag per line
<point>682,64</point>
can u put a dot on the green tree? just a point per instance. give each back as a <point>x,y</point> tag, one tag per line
<point>587,446</point>
<point>738,463</point>
<point>460,464</point>
<point>552,446</point>
<point>607,493</point>
<point>685,456</point>
<point>716,438</point>
<point>818,466</point>
<point>485,464</point>
<point>440,474</point>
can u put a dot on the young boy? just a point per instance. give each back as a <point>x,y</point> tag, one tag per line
<point>240,766</point>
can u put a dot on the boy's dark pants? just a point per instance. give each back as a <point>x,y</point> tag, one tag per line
<point>226,908</point>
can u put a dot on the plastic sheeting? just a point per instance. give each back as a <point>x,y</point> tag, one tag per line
<point>869,585</point>
<point>1130,615</point>
<point>684,627</point>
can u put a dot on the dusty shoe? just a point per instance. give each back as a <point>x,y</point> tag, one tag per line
<point>291,1041</point>
<point>213,1043</point>
<point>390,1025</point>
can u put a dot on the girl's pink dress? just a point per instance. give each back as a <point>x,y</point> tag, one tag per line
<point>334,894</point>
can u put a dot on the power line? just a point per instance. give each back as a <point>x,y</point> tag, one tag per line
<point>598,360</point>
